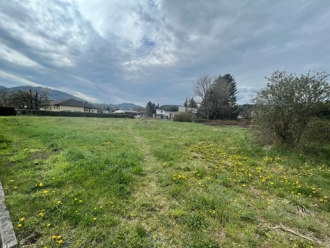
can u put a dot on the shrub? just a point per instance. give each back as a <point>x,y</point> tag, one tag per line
<point>285,107</point>
<point>183,117</point>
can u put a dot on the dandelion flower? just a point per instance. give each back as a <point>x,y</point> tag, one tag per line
<point>48,225</point>
<point>19,225</point>
<point>22,219</point>
<point>59,202</point>
<point>40,184</point>
<point>94,219</point>
<point>54,237</point>
<point>80,201</point>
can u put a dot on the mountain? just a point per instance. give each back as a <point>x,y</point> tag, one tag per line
<point>56,95</point>
<point>127,105</point>
<point>53,94</point>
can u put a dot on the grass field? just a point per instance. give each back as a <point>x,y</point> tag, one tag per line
<point>87,182</point>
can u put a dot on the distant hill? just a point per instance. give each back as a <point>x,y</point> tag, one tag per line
<point>126,105</point>
<point>53,94</point>
<point>56,95</point>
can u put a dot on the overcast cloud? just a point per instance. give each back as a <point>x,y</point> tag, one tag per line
<point>153,50</point>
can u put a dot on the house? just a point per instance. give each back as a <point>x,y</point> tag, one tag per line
<point>165,114</point>
<point>70,105</point>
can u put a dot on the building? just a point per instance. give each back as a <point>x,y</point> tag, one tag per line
<point>164,114</point>
<point>70,105</point>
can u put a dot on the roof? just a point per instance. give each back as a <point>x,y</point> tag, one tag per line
<point>72,103</point>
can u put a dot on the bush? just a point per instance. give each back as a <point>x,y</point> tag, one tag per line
<point>183,117</point>
<point>7,111</point>
<point>286,106</point>
<point>318,130</point>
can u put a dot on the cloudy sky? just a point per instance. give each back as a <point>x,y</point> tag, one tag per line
<point>153,50</point>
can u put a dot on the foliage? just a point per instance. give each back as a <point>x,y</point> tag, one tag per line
<point>145,183</point>
<point>183,117</point>
<point>150,109</point>
<point>285,107</point>
<point>245,111</point>
<point>219,99</point>
<point>190,103</point>
<point>30,100</point>
<point>171,108</point>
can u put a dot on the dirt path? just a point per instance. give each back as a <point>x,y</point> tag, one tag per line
<point>151,200</point>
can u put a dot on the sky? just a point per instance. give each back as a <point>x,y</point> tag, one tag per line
<point>154,50</point>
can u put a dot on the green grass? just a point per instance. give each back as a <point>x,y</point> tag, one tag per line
<point>88,182</point>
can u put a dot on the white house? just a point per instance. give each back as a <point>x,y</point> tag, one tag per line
<point>164,114</point>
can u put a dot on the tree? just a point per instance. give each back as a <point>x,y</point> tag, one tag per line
<point>284,108</point>
<point>192,103</point>
<point>150,109</point>
<point>186,103</point>
<point>30,100</point>
<point>219,101</point>
<point>3,97</point>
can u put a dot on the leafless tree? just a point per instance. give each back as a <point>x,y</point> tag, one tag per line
<point>202,85</point>
<point>30,100</point>
<point>3,97</point>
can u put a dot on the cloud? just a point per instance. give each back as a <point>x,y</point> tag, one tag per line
<point>141,50</point>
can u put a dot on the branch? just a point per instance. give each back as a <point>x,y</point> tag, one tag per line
<point>283,228</point>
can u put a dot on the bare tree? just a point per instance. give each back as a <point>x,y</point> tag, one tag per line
<point>202,87</point>
<point>30,100</point>
<point>3,97</point>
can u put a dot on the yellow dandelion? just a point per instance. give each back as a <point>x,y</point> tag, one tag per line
<point>60,241</point>
<point>40,184</point>
<point>48,225</point>
<point>59,202</point>
<point>80,201</point>
<point>75,199</point>
<point>54,237</point>
<point>45,191</point>
<point>110,202</point>
<point>19,225</point>
<point>94,218</point>
<point>22,219</point>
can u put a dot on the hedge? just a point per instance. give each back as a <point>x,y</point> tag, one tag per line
<point>77,114</point>
<point>6,111</point>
